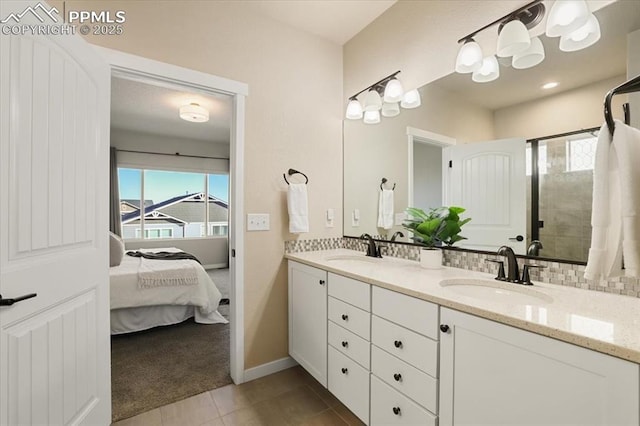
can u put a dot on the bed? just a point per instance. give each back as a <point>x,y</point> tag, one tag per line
<point>147,293</point>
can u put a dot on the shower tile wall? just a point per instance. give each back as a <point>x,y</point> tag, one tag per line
<point>565,206</point>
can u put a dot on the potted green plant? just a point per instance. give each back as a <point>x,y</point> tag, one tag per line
<point>438,227</point>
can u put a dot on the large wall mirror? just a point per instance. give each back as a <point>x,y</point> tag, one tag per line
<point>513,117</point>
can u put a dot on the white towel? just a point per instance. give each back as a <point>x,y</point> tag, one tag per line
<point>298,208</point>
<point>385,209</point>
<point>615,216</point>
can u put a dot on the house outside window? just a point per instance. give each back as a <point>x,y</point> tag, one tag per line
<point>175,205</point>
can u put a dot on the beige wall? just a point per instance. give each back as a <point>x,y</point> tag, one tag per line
<point>576,109</point>
<point>293,119</point>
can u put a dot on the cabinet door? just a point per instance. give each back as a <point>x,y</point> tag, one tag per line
<point>308,319</point>
<point>496,374</point>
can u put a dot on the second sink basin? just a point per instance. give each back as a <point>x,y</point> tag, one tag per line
<point>496,291</point>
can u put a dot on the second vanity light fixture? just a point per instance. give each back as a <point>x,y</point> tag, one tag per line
<point>568,19</point>
<point>383,97</point>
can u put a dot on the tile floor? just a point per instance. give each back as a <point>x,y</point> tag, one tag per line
<point>290,397</point>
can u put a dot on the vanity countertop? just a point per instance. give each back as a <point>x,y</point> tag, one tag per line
<point>603,322</point>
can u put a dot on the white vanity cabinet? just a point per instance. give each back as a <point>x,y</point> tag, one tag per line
<point>496,374</point>
<point>349,325</point>
<point>404,359</point>
<point>308,319</point>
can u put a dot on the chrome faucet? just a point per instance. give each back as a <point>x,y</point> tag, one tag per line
<point>513,274</point>
<point>396,234</point>
<point>372,249</point>
<point>534,248</point>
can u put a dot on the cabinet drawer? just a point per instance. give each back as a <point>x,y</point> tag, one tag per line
<point>415,314</point>
<point>349,382</point>
<point>411,347</point>
<point>390,407</point>
<point>351,291</point>
<point>405,378</point>
<point>352,318</point>
<point>350,344</point>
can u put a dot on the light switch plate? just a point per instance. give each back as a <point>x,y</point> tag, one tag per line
<point>258,222</point>
<point>329,218</point>
<point>355,218</point>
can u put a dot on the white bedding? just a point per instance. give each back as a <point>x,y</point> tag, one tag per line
<point>126,293</point>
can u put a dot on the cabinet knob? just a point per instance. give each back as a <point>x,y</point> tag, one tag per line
<point>397,377</point>
<point>322,282</point>
<point>397,344</point>
<point>345,344</point>
<point>345,317</point>
<point>396,411</point>
<point>444,328</point>
<point>344,370</point>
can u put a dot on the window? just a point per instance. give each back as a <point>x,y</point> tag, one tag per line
<point>581,154</point>
<point>170,204</point>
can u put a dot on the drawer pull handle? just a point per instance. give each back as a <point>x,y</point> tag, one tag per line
<point>345,317</point>
<point>396,411</point>
<point>344,370</point>
<point>397,377</point>
<point>345,344</point>
<point>444,328</point>
<point>321,282</point>
<point>397,344</point>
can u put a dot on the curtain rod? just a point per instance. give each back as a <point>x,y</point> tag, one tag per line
<point>177,154</point>
<point>561,135</point>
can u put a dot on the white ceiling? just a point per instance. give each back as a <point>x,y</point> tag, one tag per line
<point>152,109</point>
<point>605,59</point>
<point>335,20</point>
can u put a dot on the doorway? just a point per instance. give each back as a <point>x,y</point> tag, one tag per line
<point>136,68</point>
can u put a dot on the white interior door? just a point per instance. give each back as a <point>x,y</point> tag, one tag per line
<point>488,179</point>
<point>54,121</point>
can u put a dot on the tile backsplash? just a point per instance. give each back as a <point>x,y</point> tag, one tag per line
<point>568,274</point>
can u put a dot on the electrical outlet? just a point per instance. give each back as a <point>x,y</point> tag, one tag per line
<point>258,222</point>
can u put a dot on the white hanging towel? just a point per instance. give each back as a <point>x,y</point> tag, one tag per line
<point>385,209</point>
<point>615,215</point>
<point>298,208</point>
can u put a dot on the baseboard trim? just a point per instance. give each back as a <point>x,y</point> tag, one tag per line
<point>269,368</point>
<point>216,266</point>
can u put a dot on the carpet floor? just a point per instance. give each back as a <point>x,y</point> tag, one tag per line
<point>156,367</point>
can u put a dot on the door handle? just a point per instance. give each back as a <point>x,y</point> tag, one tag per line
<point>9,302</point>
<point>517,238</point>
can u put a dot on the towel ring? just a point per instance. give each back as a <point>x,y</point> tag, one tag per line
<point>384,180</point>
<point>293,172</point>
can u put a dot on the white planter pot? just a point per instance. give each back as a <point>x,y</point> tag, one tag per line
<point>431,258</point>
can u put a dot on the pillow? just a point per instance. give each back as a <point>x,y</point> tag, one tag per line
<point>116,249</point>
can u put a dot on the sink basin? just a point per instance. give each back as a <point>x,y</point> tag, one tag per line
<point>353,258</point>
<point>497,291</point>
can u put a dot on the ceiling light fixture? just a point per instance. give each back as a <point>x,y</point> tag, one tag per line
<point>388,89</point>
<point>469,57</point>
<point>194,112</point>
<point>549,85</point>
<point>489,71</point>
<point>530,57</point>
<point>566,16</point>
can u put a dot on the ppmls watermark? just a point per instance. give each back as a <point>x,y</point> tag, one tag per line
<point>51,22</point>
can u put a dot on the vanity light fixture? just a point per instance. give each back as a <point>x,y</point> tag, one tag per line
<point>530,57</point>
<point>390,89</point>
<point>566,16</point>
<point>583,37</point>
<point>194,112</point>
<point>568,19</point>
<point>489,71</point>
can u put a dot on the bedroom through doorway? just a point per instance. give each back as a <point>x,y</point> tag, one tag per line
<point>170,332</point>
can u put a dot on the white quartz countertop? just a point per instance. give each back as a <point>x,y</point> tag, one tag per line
<point>603,322</point>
